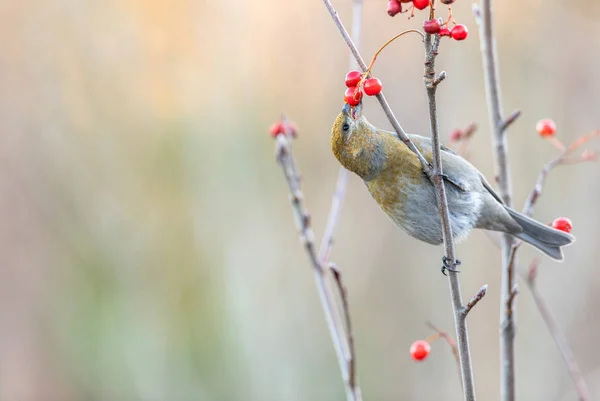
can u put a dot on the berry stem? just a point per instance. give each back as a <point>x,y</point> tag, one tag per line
<point>556,143</point>
<point>368,71</point>
<point>450,17</point>
<point>433,337</point>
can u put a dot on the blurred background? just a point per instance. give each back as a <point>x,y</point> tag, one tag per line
<point>148,250</point>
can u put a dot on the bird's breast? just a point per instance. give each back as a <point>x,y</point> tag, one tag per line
<point>394,186</point>
<point>409,199</point>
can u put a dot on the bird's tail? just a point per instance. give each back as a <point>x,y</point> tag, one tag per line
<point>544,238</point>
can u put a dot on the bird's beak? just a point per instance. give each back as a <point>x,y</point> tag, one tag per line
<point>346,109</point>
<point>353,112</point>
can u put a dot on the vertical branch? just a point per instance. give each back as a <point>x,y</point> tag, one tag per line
<point>328,303</point>
<point>559,338</point>
<point>341,333</point>
<point>353,390</point>
<point>484,18</point>
<point>431,82</point>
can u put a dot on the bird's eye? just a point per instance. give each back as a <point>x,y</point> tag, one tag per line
<point>345,127</point>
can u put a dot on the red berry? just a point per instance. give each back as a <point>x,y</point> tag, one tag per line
<point>394,7</point>
<point>456,135</point>
<point>353,96</point>
<point>563,224</point>
<point>280,128</point>
<point>445,32</point>
<point>353,78</point>
<point>372,86</point>
<point>276,129</point>
<point>421,4</point>
<point>459,32</point>
<point>419,350</point>
<point>546,127</point>
<point>432,26</point>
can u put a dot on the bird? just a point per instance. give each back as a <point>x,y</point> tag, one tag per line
<point>397,182</point>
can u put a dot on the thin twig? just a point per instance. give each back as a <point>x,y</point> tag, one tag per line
<point>334,214</point>
<point>564,158</point>
<point>558,336</point>
<point>352,387</point>
<point>431,82</point>
<point>536,191</point>
<point>427,168</point>
<point>510,119</point>
<point>302,218</point>
<point>337,275</point>
<point>484,18</point>
<point>476,298</point>
<point>450,342</point>
<point>342,179</point>
<point>464,138</point>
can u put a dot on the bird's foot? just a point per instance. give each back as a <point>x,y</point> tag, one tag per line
<point>448,265</point>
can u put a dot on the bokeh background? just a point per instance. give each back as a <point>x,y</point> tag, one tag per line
<point>148,251</point>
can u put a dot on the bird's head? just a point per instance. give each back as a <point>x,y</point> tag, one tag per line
<point>356,143</point>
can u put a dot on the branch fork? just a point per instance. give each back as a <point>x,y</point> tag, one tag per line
<point>341,336</point>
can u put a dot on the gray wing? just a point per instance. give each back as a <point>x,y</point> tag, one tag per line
<point>491,190</point>
<point>456,181</point>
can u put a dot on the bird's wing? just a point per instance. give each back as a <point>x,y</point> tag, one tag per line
<point>456,181</point>
<point>489,188</point>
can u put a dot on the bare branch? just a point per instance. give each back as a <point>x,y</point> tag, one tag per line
<point>476,298</point>
<point>513,293</point>
<point>439,79</point>
<point>334,214</point>
<point>483,16</point>
<point>431,50</point>
<point>427,168</point>
<point>463,136</point>
<point>564,158</point>
<point>343,341</point>
<point>510,119</point>
<point>536,191</point>
<point>303,223</point>
<point>337,275</point>
<point>342,180</point>
<point>451,343</point>
<point>558,336</point>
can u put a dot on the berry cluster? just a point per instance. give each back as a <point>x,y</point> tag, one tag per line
<point>356,82</point>
<point>433,26</point>
<point>458,31</point>
<point>395,6</point>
